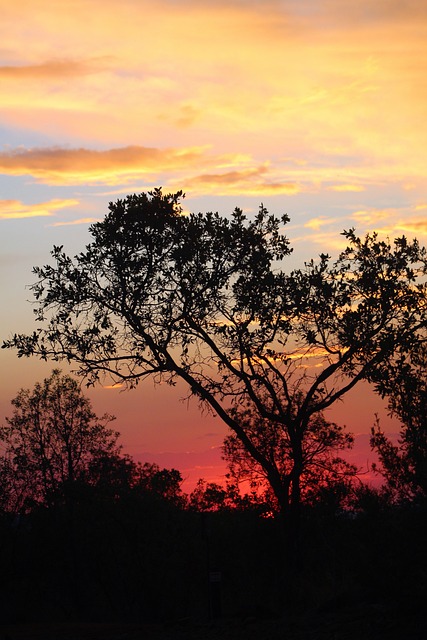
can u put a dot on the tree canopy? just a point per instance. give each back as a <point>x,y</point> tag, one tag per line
<point>50,442</point>
<point>205,298</point>
<point>404,464</point>
<point>323,468</point>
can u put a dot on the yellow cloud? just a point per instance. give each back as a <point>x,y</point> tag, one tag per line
<point>317,223</point>
<point>332,242</point>
<point>332,84</point>
<point>389,222</point>
<point>413,226</point>
<point>75,222</point>
<point>347,187</point>
<point>14,209</point>
<point>373,216</point>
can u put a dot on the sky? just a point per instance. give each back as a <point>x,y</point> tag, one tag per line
<point>315,108</point>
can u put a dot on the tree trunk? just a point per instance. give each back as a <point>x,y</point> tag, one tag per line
<point>291,550</point>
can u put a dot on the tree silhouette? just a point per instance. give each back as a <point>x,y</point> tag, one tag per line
<point>50,442</point>
<point>203,298</point>
<point>322,468</point>
<point>404,465</point>
<point>208,496</point>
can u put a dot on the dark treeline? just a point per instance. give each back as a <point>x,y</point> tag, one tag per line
<point>130,554</point>
<point>88,535</point>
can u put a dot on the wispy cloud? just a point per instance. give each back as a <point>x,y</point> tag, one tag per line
<point>371,217</point>
<point>316,223</point>
<point>248,181</point>
<point>417,226</point>
<point>53,69</point>
<point>347,187</point>
<point>332,242</point>
<point>352,76</point>
<point>75,222</point>
<point>15,209</point>
<point>393,221</point>
<point>121,166</point>
<point>61,166</point>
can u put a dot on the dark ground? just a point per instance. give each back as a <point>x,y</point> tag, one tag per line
<point>367,622</point>
<point>128,570</point>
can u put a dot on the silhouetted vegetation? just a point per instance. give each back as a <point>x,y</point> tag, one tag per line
<point>404,464</point>
<point>88,534</point>
<point>51,442</point>
<point>203,298</point>
<point>133,556</point>
<point>135,550</point>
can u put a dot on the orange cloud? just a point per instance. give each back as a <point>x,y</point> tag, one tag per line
<point>340,82</point>
<point>52,69</point>
<point>246,181</point>
<point>334,84</point>
<point>59,166</point>
<point>83,166</point>
<point>15,209</point>
<point>75,222</point>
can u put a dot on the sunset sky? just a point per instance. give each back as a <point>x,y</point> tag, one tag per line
<point>316,108</point>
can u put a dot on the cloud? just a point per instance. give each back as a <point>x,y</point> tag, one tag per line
<point>393,222</point>
<point>188,115</point>
<point>15,209</point>
<point>316,223</point>
<point>247,181</point>
<point>414,226</point>
<point>53,69</point>
<point>331,242</point>
<point>75,222</point>
<point>122,166</point>
<point>347,187</point>
<point>381,11</point>
<point>322,80</point>
<point>372,216</point>
<point>57,165</point>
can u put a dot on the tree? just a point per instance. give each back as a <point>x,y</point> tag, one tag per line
<point>163,483</point>
<point>50,442</point>
<point>117,475</point>
<point>208,496</point>
<point>322,468</point>
<point>404,465</point>
<point>203,298</point>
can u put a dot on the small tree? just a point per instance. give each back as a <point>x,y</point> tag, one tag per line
<point>322,467</point>
<point>202,298</point>
<point>50,441</point>
<point>119,475</point>
<point>208,496</point>
<point>404,464</point>
<point>163,483</point>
